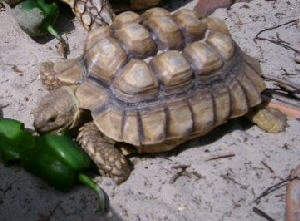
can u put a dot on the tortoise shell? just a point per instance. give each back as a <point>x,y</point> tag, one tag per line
<point>159,77</point>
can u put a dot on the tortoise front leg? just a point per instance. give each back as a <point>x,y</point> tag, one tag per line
<point>109,160</point>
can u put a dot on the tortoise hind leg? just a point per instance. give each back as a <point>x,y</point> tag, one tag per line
<point>109,160</point>
<point>268,119</point>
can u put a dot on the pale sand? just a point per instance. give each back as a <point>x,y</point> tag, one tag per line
<point>223,190</point>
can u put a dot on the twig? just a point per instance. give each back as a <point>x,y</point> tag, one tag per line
<point>276,26</point>
<point>262,214</point>
<point>283,96</point>
<point>278,41</point>
<point>271,189</point>
<point>267,166</point>
<point>221,157</point>
<point>283,82</point>
<point>226,177</point>
<point>289,110</point>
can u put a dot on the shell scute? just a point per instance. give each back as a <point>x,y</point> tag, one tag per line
<point>95,36</point>
<point>203,58</point>
<point>105,59</point>
<point>238,99</point>
<point>180,120</point>
<point>136,40</point>
<point>131,128</point>
<point>91,95</point>
<point>255,79</point>
<point>202,108</point>
<point>215,24</point>
<point>173,70</point>
<point>153,122</point>
<point>165,32</point>
<point>110,121</point>
<point>191,27</point>
<point>222,103</point>
<point>222,43</point>
<point>124,18</point>
<point>252,94</point>
<point>154,12</point>
<point>136,82</point>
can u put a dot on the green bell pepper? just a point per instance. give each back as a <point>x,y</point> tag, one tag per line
<point>55,158</point>
<point>9,151</point>
<point>65,149</point>
<point>15,130</point>
<point>45,165</point>
<point>14,140</point>
<point>60,161</point>
<point>36,17</point>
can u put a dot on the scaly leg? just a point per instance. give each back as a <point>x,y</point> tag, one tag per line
<point>268,119</point>
<point>110,161</point>
<point>92,14</point>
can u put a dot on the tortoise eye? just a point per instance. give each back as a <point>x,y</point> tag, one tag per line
<point>51,119</point>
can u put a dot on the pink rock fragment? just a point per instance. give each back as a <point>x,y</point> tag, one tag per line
<point>206,7</point>
<point>293,197</point>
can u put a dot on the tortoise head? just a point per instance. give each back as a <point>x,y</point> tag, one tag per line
<point>57,111</point>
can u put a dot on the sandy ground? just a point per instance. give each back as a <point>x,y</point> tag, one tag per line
<point>222,189</point>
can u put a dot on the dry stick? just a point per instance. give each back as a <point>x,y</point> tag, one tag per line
<point>288,109</point>
<point>272,189</point>
<point>226,177</point>
<point>283,82</point>
<point>267,166</point>
<point>262,214</point>
<point>279,41</point>
<point>283,95</point>
<point>221,156</point>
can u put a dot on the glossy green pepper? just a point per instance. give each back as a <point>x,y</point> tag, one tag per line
<point>36,17</point>
<point>14,140</point>
<point>65,149</point>
<point>9,151</point>
<point>45,165</point>
<point>61,162</point>
<point>16,131</point>
<point>54,157</point>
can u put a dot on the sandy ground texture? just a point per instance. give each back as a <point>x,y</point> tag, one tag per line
<point>221,189</point>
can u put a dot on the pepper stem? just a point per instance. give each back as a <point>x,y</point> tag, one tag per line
<point>53,32</point>
<point>103,198</point>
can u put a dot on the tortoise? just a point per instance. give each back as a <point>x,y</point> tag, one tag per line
<point>150,82</point>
